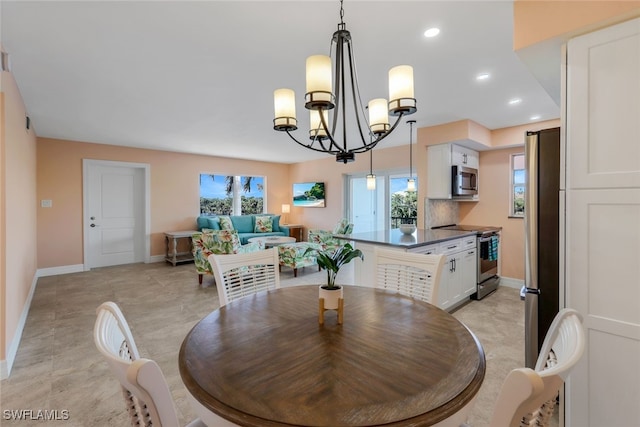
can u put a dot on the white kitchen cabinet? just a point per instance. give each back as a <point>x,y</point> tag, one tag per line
<point>602,227</point>
<point>459,274</point>
<point>463,156</point>
<point>440,158</point>
<point>450,290</point>
<point>469,272</point>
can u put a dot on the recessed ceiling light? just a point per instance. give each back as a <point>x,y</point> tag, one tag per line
<point>432,32</point>
<point>515,101</point>
<point>536,117</point>
<point>483,76</point>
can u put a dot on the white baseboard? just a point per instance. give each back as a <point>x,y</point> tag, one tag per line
<point>155,258</point>
<point>12,348</point>
<point>64,269</point>
<point>511,282</point>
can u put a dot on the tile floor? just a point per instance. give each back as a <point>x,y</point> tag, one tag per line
<point>58,368</point>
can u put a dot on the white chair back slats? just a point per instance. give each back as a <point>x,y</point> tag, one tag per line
<point>528,397</point>
<point>240,275</point>
<point>147,396</point>
<point>413,275</point>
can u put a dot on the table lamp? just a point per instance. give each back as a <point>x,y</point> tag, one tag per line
<point>285,210</point>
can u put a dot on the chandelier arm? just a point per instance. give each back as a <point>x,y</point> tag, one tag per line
<point>376,141</point>
<point>355,89</point>
<point>311,147</point>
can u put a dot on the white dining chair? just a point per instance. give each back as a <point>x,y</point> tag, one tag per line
<point>239,275</point>
<point>147,397</point>
<point>410,274</point>
<point>528,397</point>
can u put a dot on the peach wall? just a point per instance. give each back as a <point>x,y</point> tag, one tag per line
<point>493,209</point>
<point>513,136</point>
<point>174,192</point>
<point>332,174</point>
<point>19,210</point>
<point>454,131</point>
<point>537,21</point>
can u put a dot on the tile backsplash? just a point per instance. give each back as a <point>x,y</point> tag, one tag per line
<point>440,212</point>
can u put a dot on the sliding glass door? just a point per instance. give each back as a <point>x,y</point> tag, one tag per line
<point>383,208</point>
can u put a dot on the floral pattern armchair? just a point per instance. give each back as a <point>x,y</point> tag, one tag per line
<point>217,242</point>
<point>295,255</point>
<point>325,238</point>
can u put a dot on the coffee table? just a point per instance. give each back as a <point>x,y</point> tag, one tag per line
<point>270,241</point>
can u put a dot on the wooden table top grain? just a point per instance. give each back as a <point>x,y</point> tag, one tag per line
<point>264,360</point>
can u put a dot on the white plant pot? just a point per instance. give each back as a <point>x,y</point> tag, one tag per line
<point>331,297</point>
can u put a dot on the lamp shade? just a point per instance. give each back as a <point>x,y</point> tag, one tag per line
<point>411,185</point>
<point>378,115</point>
<point>316,130</point>
<point>401,97</point>
<point>286,208</point>
<point>371,182</point>
<point>284,104</point>
<point>319,83</point>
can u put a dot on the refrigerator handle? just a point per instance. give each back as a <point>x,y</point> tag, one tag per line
<point>531,212</point>
<point>531,250</point>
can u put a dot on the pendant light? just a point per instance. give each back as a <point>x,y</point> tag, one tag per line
<point>411,182</point>
<point>371,178</point>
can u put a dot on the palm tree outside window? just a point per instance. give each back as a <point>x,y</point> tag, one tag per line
<point>231,195</point>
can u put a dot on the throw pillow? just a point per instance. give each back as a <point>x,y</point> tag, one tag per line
<point>263,224</point>
<point>275,223</point>
<point>225,223</point>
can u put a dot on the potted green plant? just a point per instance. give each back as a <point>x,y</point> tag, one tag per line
<point>331,261</point>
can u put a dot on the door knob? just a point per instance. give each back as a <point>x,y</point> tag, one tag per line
<point>92,225</point>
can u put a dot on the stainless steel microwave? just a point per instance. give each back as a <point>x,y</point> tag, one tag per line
<point>464,181</point>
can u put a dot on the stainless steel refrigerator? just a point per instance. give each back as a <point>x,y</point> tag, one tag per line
<point>542,237</point>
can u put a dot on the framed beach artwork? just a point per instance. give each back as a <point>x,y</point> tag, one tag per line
<point>308,194</point>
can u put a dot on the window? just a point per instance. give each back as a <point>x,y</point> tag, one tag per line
<point>231,195</point>
<point>518,178</point>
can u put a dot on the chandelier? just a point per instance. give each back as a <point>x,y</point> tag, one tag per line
<point>320,100</point>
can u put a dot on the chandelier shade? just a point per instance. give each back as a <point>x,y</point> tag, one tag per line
<point>330,81</point>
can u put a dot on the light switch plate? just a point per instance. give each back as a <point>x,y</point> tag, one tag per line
<point>46,203</point>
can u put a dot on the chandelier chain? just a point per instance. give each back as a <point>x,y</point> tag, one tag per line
<point>341,13</point>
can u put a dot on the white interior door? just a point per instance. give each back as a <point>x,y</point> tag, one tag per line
<point>115,213</point>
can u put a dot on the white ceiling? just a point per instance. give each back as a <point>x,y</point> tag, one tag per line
<point>198,77</point>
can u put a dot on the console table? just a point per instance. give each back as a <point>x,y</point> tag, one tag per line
<point>171,239</point>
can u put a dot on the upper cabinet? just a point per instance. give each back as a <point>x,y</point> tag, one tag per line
<point>603,125</point>
<point>440,159</point>
<point>463,156</point>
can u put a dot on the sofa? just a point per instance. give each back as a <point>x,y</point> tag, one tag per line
<point>247,226</point>
<point>217,242</point>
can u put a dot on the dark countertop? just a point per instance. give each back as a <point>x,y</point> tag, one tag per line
<point>394,237</point>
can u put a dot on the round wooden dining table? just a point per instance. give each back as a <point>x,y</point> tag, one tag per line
<point>264,360</point>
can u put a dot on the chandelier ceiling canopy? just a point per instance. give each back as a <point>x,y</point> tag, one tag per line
<point>328,105</point>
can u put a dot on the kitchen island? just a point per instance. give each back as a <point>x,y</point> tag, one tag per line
<point>458,279</point>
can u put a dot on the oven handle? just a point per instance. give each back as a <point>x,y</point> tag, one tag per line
<point>485,239</point>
